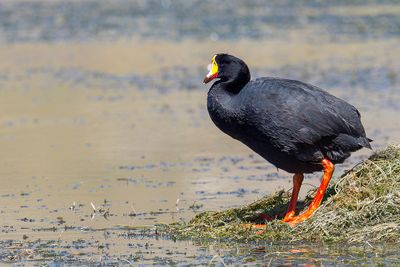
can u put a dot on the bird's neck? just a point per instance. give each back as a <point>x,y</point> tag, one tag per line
<point>219,93</point>
<point>220,100</point>
<point>222,94</point>
<point>234,85</point>
<point>223,107</point>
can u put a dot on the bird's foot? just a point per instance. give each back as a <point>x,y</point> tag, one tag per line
<point>298,219</point>
<point>289,216</point>
<point>292,221</point>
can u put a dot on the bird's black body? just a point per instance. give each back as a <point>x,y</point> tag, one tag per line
<point>291,124</point>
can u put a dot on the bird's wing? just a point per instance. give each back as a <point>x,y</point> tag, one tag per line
<point>293,114</point>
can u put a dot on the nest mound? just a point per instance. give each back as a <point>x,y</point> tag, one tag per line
<point>362,205</point>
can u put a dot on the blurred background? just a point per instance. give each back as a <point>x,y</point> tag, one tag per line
<point>103,106</point>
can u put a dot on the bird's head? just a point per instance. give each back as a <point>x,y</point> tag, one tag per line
<point>227,68</point>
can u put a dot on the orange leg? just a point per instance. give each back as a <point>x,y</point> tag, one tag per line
<point>297,181</point>
<point>328,171</point>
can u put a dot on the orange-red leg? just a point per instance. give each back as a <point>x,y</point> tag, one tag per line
<point>297,181</point>
<point>328,171</point>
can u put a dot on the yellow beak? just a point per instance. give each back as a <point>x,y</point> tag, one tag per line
<point>213,71</point>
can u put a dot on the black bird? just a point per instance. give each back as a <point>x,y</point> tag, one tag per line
<point>296,126</point>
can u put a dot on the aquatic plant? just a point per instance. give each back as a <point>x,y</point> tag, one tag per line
<point>363,205</point>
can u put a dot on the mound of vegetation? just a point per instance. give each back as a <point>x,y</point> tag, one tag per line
<point>362,205</point>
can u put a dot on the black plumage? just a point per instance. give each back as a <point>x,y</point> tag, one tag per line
<point>291,124</point>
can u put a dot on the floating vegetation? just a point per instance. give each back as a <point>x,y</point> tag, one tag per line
<point>362,206</point>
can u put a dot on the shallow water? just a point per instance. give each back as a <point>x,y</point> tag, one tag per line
<point>104,124</point>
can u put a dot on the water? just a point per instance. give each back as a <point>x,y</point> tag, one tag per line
<point>194,19</point>
<point>104,124</point>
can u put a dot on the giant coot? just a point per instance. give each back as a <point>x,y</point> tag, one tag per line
<point>296,126</point>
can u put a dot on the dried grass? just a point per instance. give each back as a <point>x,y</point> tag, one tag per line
<point>362,206</point>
